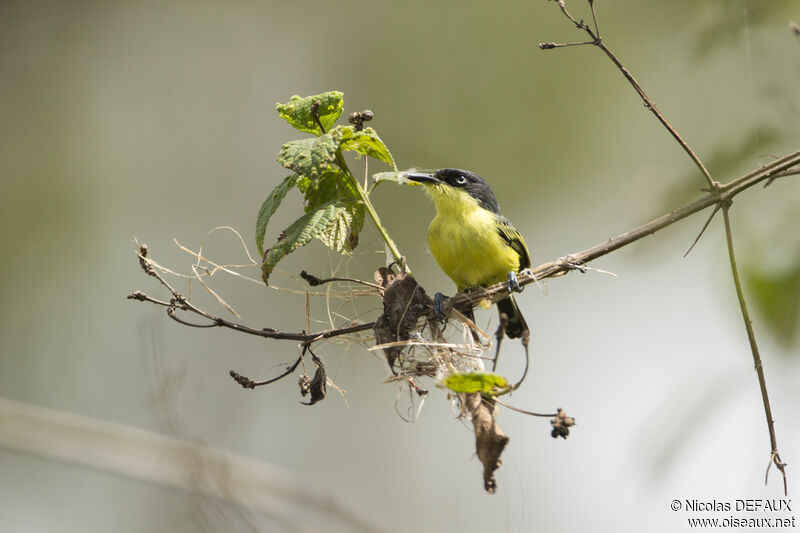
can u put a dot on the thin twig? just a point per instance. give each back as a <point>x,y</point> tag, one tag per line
<point>781,166</point>
<point>781,175</point>
<point>184,304</point>
<point>142,297</point>
<point>550,46</point>
<point>523,411</point>
<point>703,229</point>
<point>171,312</point>
<point>598,42</point>
<point>499,335</point>
<point>213,293</point>
<point>526,335</point>
<point>315,281</point>
<point>751,337</point>
<point>248,383</point>
<point>594,18</point>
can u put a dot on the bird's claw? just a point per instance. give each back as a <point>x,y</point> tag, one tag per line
<point>513,284</point>
<point>438,305</point>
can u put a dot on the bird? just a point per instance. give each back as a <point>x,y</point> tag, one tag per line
<point>471,241</point>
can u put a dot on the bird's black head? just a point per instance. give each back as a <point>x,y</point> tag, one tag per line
<point>464,180</point>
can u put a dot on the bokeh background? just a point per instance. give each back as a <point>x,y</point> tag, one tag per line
<point>155,121</point>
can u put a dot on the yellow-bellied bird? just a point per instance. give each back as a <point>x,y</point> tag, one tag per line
<point>472,242</point>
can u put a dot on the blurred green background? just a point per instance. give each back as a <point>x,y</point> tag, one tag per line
<point>156,120</point>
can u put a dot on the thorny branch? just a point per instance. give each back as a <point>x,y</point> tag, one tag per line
<point>723,201</point>
<point>775,457</point>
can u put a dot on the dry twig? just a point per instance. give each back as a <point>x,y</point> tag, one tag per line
<point>721,196</point>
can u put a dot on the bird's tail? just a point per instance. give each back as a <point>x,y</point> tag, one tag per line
<point>516,322</point>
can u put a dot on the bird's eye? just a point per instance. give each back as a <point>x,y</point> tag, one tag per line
<point>461,180</point>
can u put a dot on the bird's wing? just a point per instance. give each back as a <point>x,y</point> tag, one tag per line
<point>514,239</point>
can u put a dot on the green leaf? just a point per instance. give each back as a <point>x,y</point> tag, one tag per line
<point>472,382</point>
<point>342,235</point>
<point>269,207</point>
<point>336,224</point>
<point>298,111</point>
<point>331,185</point>
<point>300,233</point>
<point>310,157</point>
<point>366,142</point>
<point>320,191</point>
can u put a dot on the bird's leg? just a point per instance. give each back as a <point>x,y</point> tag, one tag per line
<point>438,305</point>
<point>513,284</point>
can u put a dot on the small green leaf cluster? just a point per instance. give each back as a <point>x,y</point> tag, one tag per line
<point>335,202</point>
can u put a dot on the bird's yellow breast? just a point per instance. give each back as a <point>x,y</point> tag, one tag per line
<point>465,241</point>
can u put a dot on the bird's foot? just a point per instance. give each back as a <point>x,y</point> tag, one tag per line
<point>513,284</point>
<point>438,305</point>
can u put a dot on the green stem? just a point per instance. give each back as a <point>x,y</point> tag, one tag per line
<point>775,458</point>
<point>364,197</point>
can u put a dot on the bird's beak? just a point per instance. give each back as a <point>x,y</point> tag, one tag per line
<point>421,178</point>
